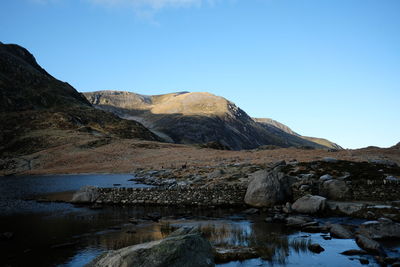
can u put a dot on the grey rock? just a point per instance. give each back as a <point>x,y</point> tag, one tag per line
<point>298,221</point>
<point>330,160</point>
<point>184,249</point>
<point>309,204</point>
<point>369,245</point>
<point>87,194</point>
<point>268,188</point>
<point>338,231</point>
<point>326,177</point>
<point>335,189</point>
<point>346,208</point>
<point>381,229</point>
<point>225,255</point>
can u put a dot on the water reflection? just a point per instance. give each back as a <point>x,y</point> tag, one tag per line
<point>58,234</point>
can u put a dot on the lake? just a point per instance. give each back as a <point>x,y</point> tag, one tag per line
<point>62,234</point>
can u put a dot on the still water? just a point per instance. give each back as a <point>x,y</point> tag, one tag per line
<point>61,234</point>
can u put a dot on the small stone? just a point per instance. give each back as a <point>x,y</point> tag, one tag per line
<point>354,252</point>
<point>316,248</point>
<point>325,177</point>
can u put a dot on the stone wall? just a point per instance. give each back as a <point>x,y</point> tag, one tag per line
<point>376,190</point>
<point>358,190</point>
<point>218,195</point>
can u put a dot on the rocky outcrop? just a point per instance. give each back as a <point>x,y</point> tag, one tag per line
<point>268,188</point>
<point>37,111</point>
<point>309,204</point>
<point>184,248</point>
<point>381,229</point>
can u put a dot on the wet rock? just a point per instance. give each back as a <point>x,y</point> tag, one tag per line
<point>297,221</point>
<point>224,255</point>
<point>287,208</point>
<point>338,231</point>
<point>316,248</point>
<point>251,211</point>
<point>155,216</point>
<point>354,252</point>
<point>309,204</point>
<point>364,261</point>
<point>381,229</point>
<point>315,229</point>
<point>345,208</point>
<point>369,245</point>
<point>186,249</point>
<point>389,260</point>
<point>87,194</point>
<point>268,188</point>
<point>325,177</point>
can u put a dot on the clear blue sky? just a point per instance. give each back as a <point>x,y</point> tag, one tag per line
<point>325,68</point>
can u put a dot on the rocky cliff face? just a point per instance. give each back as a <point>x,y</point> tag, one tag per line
<point>38,111</point>
<point>272,124</point>
<point>193,118</point>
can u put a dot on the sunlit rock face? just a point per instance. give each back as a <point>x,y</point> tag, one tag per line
<point>198,118</point>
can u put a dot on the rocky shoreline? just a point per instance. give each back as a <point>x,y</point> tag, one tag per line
<point>293,194</point>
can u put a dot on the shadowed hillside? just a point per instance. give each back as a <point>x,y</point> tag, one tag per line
<point>194,118</point>
<point>39,111</point>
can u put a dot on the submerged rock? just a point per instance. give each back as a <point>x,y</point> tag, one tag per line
<point>185,248</point>
<point>354,252</point>
<point>224,255</point>
<point>309,204</point>
<point>316,248</point>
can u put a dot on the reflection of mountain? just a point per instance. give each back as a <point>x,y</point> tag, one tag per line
<point>194,118</point>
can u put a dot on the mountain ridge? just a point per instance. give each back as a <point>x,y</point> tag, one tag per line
<point>199,117</point>
<point>38,111</point>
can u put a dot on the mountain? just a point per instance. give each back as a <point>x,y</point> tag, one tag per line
<point>196,118</point>
<point>39,111</point>
<point>270,123</point>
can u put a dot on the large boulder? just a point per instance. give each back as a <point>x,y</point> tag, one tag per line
<point>87,194</point>
<point>369,245</point>
<point>380,229</point>
<point>309,204</point>
<point>184,248</point>
<point>268,188</point>
<point>339,231</point>
<point>335,189</point>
